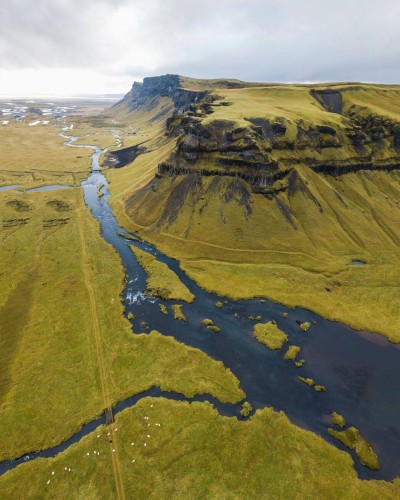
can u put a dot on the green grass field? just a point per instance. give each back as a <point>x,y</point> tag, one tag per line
<point>35,156</point>
<point>68,352</point>
<point>162,281</point>
<point>270,335</point>
<point>46,329</point>
<point>197,454</point>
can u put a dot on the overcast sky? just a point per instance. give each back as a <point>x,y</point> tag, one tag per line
<point>96,46</point>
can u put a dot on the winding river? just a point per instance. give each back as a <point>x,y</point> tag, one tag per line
<point>360,370</point>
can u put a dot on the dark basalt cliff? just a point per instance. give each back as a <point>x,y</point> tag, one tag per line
<point>161,86</point>
<point>264,149</point>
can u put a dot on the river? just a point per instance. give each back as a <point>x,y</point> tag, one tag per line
<point>360,370</point>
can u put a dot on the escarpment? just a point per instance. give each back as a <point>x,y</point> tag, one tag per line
<point>261,134</point>
<point>271,190</point>
<point>264,136</point>
<point>154,88</point>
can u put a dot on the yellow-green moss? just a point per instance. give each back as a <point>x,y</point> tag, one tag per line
<point>305,326</point>
<point>338,419</point>
<point>162,281</point>
<point>178,313</point>
<point>270,335</point>
<point>309,381</point>
<point>163,308</point>
<point>292,352</point>
<point>214,328</point>
<point>246,409</point>
<point>352,438</point>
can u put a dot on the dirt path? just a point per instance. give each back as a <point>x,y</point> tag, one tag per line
<point>99,352</point>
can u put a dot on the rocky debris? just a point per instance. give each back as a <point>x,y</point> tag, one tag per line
<point>337,169</point>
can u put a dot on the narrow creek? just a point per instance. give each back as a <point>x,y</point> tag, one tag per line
<point>360,370</point>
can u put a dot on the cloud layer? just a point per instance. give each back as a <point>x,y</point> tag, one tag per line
<point>102,45</point>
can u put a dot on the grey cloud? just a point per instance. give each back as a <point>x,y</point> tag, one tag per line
<point>262,40</point>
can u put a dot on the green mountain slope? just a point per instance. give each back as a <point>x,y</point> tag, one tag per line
<point>271,190</point>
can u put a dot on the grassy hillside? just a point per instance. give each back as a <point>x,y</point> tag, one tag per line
<point>273,191</point>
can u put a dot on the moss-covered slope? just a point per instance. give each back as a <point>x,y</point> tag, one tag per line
<point>274,190</point>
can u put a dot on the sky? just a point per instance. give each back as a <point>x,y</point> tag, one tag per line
<point>68,47</point>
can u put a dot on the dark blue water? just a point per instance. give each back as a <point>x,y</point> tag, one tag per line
<point>361,371</point>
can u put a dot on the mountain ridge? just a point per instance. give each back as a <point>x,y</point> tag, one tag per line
<point>273,191</point>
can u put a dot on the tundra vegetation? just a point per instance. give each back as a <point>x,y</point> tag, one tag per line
<point>292,352</point>
<point>352,438</point>
<point>47,350</point>
<point>308,381</point>
<point>305,326</point>
<point>246,409</point>
<point>289,233</point>
<point>163,308</point>
<point>270,335</point>
<point>272,191</point>
<point>178,313</point>
<point>210,325</point>
<point>338,419</point>
<point>209,443</point>
<point>162,281</point>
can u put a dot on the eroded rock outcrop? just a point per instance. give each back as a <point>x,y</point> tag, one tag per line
<point>161,86</point>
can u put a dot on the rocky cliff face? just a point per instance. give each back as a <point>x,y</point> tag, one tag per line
<point>264,150</point>
<point>161,86</point>
<point>221,133</point>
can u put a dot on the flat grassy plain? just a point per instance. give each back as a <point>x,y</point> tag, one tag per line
<point>197,454</point>
<point>50,380</point>
<point>34,156</point>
